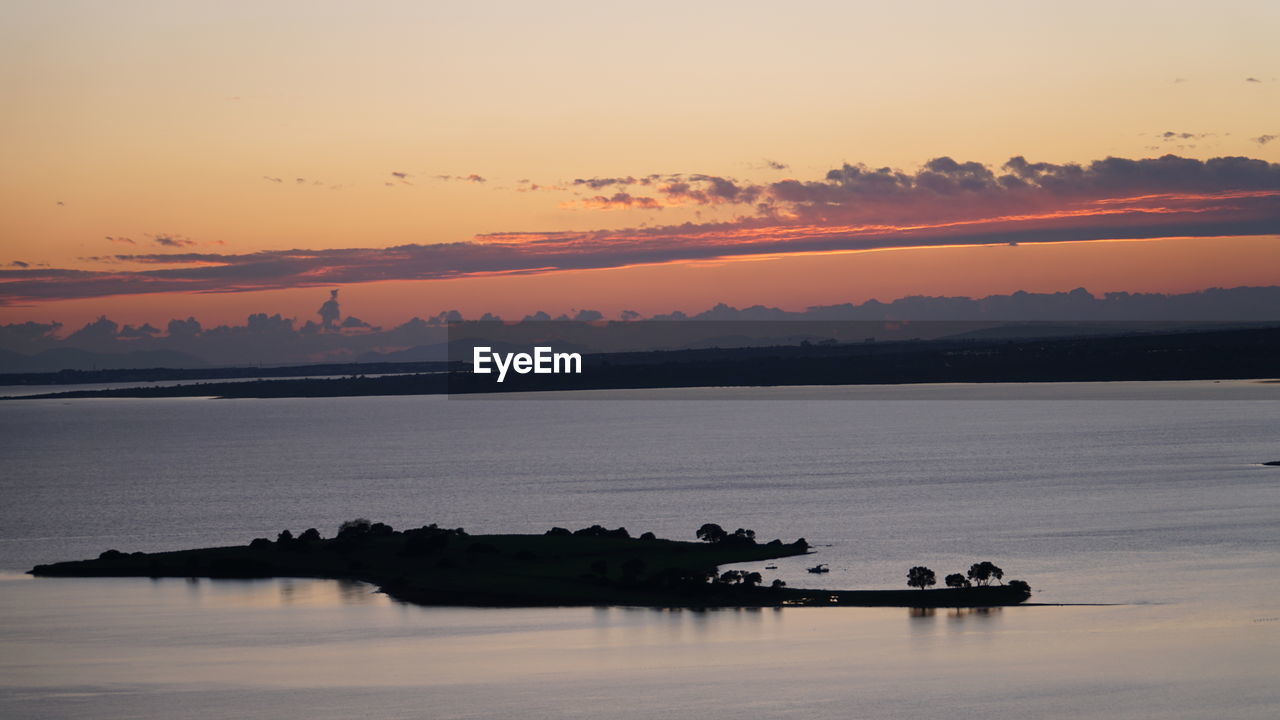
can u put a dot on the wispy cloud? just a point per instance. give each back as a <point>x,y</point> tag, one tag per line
<point>172,241</point>
<point>852,208</point>
<point>616,201</point>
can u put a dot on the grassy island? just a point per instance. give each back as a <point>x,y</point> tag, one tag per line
<point>593,566</point>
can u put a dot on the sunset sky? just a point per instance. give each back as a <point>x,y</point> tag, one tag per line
<point>165,159</point>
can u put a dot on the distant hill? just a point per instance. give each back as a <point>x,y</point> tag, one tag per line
<point>74,359</point>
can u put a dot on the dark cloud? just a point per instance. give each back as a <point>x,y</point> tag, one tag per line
<point>618,201</point>
<point>172,240</point>
<point>142,331</point>
<point>473,178</point>
<point>20,264</point>
<point>1264,139</point>
<point>184,328</point>
<point>28,336</point>
<point>98,331</point>
<point>1252,80</point>
<point>1169,136</point>
<point>269,178</point>
<point>709,190</point>
<point>853,208</point>
<point>121,240</point>
<point>775,165</point>
<point>354,323</point>
<point>679,189</point>
<point>599,183</point>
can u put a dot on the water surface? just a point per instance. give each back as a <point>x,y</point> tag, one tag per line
<point>1145,495</point>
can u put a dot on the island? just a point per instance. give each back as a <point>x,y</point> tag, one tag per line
<point>592,566</point>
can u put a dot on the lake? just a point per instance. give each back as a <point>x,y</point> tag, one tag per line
<point>1141,506</point>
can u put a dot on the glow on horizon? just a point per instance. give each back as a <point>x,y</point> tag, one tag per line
<point>242,127</point>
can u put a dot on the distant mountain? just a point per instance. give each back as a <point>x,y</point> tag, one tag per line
<point>461,349</point>
<point>74,359</point>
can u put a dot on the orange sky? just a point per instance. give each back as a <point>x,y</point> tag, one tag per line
<point>234,128</point>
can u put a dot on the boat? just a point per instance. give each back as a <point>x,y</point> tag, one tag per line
<point>819,568</point>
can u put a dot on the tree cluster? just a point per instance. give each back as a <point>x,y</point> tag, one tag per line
<point>980,574</point>
<point>713,533</point>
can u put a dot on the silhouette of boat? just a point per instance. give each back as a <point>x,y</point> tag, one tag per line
<point>770,567</point>
<point>819,568</point>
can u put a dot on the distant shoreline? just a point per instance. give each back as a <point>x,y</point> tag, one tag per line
<point>1240,354</point>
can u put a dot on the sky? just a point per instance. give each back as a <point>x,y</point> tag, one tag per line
<point>166,159</point>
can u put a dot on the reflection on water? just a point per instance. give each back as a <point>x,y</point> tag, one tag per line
<point>984,613</point>
<point>299,648</point>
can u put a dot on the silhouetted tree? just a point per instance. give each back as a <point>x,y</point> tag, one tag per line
<point>921,577</point>
<point>983,572</point>
<point>310,535</point>
<point>956,580</point>
<point>285,537</point>
<point>1021,586</point>
<point>648,536</point>
<point>354,528</point>
<point>600,531</point>
<point>778,584</point>
<point>751,579</point>
<point>711,532</point>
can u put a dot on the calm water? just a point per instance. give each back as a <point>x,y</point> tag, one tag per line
<point>1149,496</point>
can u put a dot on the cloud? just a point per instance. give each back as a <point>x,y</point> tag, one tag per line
<point>121,240</point>
<point>1252,80</point>
<point>945,202</point>
<point>527,185</point>
<point>617,201</point>
<point>709,190</point>
<point>184,328</point>
<point>1169,136</point>
<point>775,165</point>
<point>20,264</point>
<point>599,183</point>
<point>269,178</point>
<point>473,178</point>
<point>142,331</point>
<point>1264,139</point>
<point>172,240</point>
<point>678,189</point>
